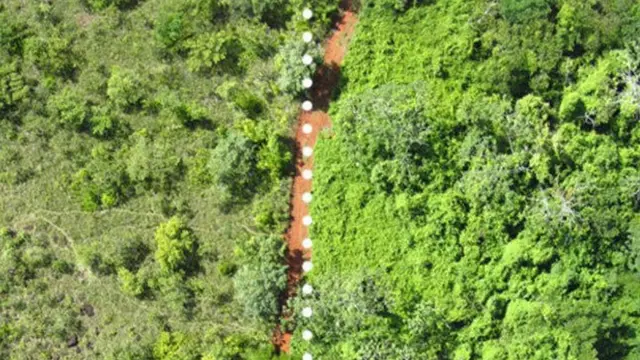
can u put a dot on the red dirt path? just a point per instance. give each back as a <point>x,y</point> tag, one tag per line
<point>325,80</point>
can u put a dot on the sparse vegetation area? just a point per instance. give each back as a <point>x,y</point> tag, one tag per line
<point>145,165</point>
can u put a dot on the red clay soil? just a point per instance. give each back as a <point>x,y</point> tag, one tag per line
<point>325,81</point>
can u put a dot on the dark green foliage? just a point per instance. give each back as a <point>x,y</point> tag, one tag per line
<point>522,11</point>
<point>169,30</point>
<point>102,4</point>
<point>272,12</point>
<point>13,32</point>
<point>13,90</point>
<point>233,163</point>
<point>261,278</point>
<point>272,211</point>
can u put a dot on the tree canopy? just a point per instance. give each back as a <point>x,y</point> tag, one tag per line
<point>477,197</point>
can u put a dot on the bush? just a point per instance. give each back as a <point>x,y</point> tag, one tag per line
<point>153,164</point>
<point>291,70</point>
<point>69,108</point>
<point>103,182</point>
<point>214,52</point>
<point>124,88</point>
<point>271,211</point>
<point>385,130</point>
<point>233,165</point>
<point>129,283</point>
<point>262,278</point>
<point>175,346</point>
<point>176,247</point>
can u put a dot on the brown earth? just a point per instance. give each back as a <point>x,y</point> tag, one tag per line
<point>325,81</point>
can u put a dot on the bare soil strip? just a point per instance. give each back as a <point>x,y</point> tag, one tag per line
<point>325,81</point>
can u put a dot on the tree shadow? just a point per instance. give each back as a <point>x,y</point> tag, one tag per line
<point>328,78</point>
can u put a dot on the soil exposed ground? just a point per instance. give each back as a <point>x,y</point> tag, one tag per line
<point>325,81</point>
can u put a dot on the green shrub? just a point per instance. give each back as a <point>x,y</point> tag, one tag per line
<point>69,108</point>
<point>129,283</point>
<point>291,69</point>
<point>176,247</point>
<point>233,165</point>
<point>261,278</point>
<point>175,346</point>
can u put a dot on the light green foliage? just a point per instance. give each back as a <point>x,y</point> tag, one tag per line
<point>291,68</point>
<point>482,173</point>
<point>175,346</point>
<point>593,100</point>
<point>176,247</point>
<point>274,157</point>
<point>103,124</point>
<point>69,108</point>
<point>129,283</point>
<point>124,88</point>
<point>13,89</point>
<point>218,51</point>
<point>53,54</point>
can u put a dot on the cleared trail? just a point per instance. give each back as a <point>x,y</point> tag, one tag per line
<point>325,81</point>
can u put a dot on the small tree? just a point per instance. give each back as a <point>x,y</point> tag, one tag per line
<point>233,165</point>
<point>176,247</point>
<point>69,108</point>
<point>124,88</point>
<point>129,282</point>
<point>214,51</point>
<point>262,278</point>
<point>290,67</point>
<point>175,346</point>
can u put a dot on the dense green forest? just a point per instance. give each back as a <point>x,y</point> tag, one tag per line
<point>479,194</point>
<point>145,169</point>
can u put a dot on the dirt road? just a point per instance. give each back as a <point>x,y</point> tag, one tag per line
<point>325,81</point>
